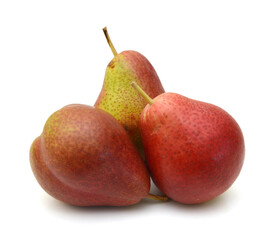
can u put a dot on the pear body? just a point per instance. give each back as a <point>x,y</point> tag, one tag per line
<point>194,150</point>
<point>84,157</point>
<point>118,98</point>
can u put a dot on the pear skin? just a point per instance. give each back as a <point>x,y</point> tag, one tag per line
<point>194,150</point>
<point>117,96</point>
<point>85,157</point>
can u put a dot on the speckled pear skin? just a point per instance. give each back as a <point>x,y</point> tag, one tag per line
<point>194,150</point>
<point>117,96</point>
<point>84,157</point>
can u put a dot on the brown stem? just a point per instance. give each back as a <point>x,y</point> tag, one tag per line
<point>156,197</point>
<point>142,93</point>
<point>109,41</point>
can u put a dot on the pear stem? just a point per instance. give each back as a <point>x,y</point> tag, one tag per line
<point>142,93</point>
<point>109,41</point>
<point>156,197</point>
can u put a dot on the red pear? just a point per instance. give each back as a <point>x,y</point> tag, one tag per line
<point>194,150</point>
<point>85,157</point>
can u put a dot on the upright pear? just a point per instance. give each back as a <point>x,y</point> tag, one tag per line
<point>84,157</point>
<point>117,96</point>
<point>194,150</point>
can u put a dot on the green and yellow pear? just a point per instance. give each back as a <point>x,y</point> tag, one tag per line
<point>118,98</point>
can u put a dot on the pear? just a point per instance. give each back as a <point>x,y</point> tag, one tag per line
<point>84,157</point>
<point>117,96</point>
<point>194,150</point>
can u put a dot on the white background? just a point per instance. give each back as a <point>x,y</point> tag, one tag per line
<point>53,53</point>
